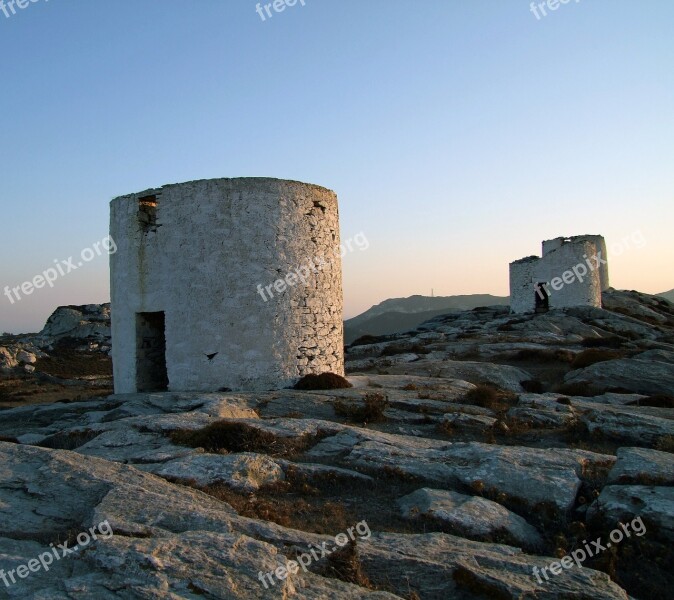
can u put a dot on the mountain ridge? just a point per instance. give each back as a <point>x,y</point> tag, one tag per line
<point>395,315</point>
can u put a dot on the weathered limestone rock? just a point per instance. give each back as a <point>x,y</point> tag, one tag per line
<point>544,410</point>
<point>173,542</point>
<point>642,466</point>
<point>246,471</point>
<point>465,420</point>
<point>647,373</point>
<point>79,322</point>
<point>527,475</point>
<point>470,516</point>
<point>654,504</point>
<point>503,376</point>
<point>627,424</point>
<point>443,566</point>
<point>168,541</point>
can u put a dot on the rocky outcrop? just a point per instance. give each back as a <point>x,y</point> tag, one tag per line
<point>642,466</point>
<point>21,354</point>
<point>91,321</point>
<point>474,468</point>
<point>622,503</point>
<point>168,541</point>
<point>471,517</point>
<point>650,372</point>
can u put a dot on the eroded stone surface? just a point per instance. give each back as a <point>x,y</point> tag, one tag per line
<point>470,516</point>
<point>642,466</point>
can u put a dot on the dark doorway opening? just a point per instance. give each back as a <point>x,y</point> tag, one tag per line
<point>151,374</point>
<point>542,297</point>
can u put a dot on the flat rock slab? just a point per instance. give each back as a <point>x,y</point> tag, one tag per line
<point>502,376</point>
<point>627,424</point>
<point>621,503</point>
<point>132,446</point>
<point>480,422</point>
<point>442,567</point>
<point>526,475</point>
<point>173,542</point>
<point>246,471</point>
<point>317,472</point>
<point>452,389</point>
<point>471,516</point>
<point>645,374</point>
<point>168,541</point>
<point>643,467</point>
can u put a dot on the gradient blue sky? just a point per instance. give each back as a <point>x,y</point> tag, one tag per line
<point>457,134</point>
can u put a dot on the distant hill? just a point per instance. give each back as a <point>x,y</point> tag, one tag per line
<point>668,295</point>
<point>401,314</point>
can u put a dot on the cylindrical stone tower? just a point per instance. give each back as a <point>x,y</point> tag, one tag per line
<point>225,284</point>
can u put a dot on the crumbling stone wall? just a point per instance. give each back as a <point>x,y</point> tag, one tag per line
<point>560,256</point>
<point>197,252</point>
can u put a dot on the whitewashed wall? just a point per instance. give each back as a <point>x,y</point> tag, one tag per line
<point>560,256</point>
<point>216,240</point>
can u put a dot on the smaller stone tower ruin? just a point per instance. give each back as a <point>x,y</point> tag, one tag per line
<point>572,272</point>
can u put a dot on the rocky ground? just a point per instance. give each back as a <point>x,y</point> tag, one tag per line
<point>467,453</point>
<point>69,359</point>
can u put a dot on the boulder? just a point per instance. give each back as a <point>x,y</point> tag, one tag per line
<point>643,467</point>
<point>648,373</point>
<point>525,476</point>
<point>471,517</point>
<point>246,471</point>
<point>621,503</point>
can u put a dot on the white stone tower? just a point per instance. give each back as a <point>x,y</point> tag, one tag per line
<point>572,272</point>
<point>225,284</point>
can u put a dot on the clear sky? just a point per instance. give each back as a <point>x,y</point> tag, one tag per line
<point>458,134</point>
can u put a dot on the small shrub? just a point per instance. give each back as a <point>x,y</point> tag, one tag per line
<point>324,381</point>
<point>590,357</point>
<point>488,396</point>
<point>9,440</point>
<point>665,443</point>
<point>372,410</point>
<point>564,400</point>
<point>344,564</point>
<point>232,436</point>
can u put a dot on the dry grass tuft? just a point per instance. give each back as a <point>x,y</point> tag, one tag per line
<point>344,564</point>
<point>372,410</point>
<point>232,436</point>
<point>491,397</point>
<point>324,381</point>
<point>590,357</point>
